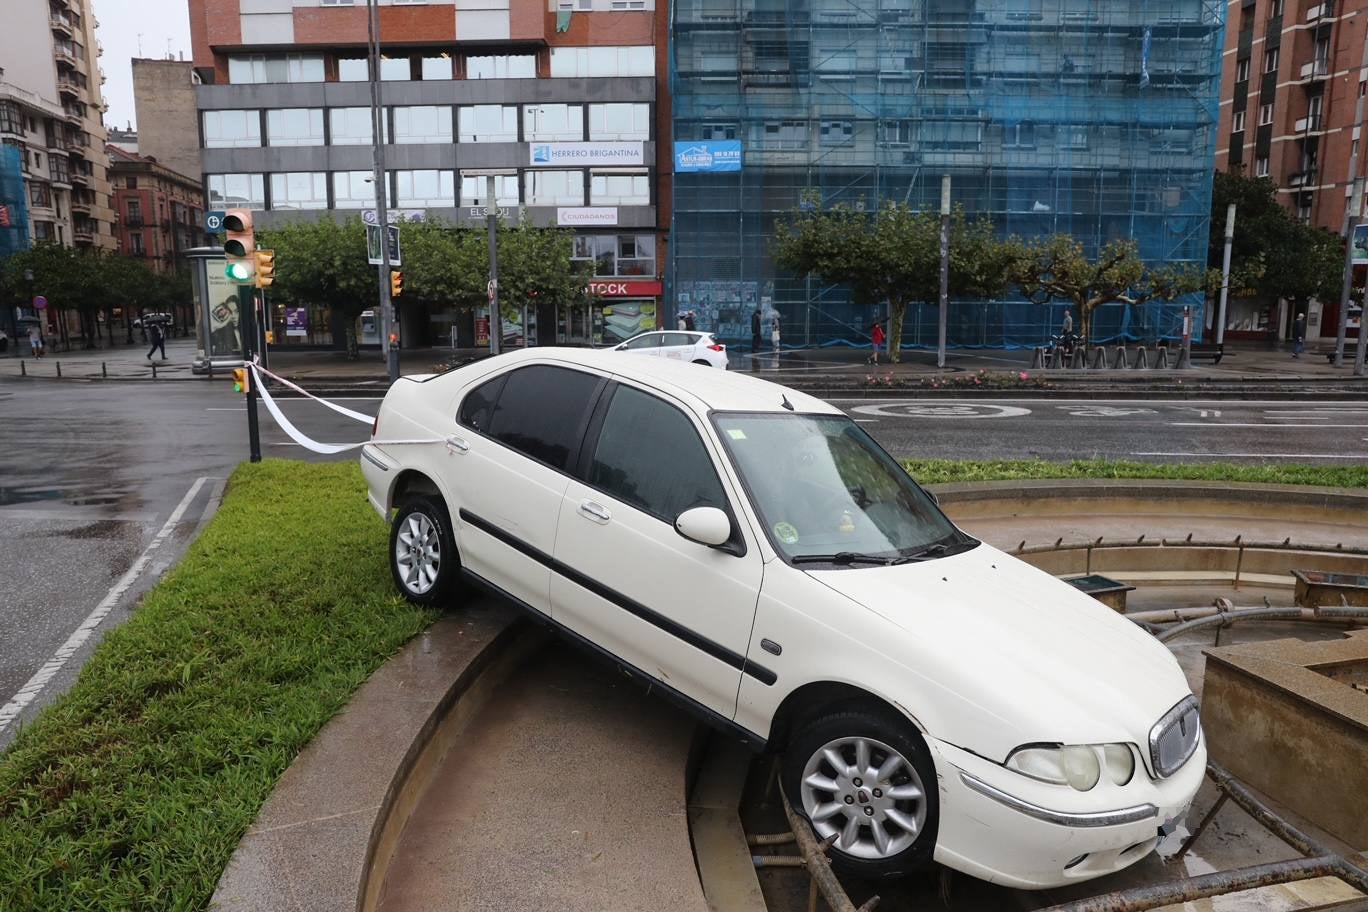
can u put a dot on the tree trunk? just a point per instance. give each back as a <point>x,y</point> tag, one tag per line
<point>353,346</point>
<point>897,309</point>
<point>1085,314</point>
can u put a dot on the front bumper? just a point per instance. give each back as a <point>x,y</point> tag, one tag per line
<point>1005,828</point>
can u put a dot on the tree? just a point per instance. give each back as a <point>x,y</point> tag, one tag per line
<point>324,262</point>
<point>1056,268</point>
<point>893,256</point>
<point>535,267</point>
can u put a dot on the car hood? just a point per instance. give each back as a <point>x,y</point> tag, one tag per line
<point>1044,661</point>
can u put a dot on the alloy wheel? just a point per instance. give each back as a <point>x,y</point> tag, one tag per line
<point>418,553</point>
<point>866,794</point>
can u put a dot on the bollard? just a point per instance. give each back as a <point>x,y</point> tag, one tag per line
<point>1141,359</point>
<point>1119,359</point>
<point>1099,358</point>
<point>1056,358</point>
<point>1078,360</point>
<point>1038,358</point>
<point>154,370</point>
<point>59,370</point>
<point>1161,360</point>
<point>104,371</point>
<point>23,368</point>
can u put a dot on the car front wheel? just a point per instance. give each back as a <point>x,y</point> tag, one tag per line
<point>867,779</point>
<point>423,557</point>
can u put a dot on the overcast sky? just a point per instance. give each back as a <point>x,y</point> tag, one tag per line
<point>125,23</point>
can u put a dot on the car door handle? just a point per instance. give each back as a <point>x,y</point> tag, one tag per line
<point>597,512</point>
<point>457,443</point>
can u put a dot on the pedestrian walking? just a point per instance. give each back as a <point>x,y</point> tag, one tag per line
<point>689,321</point>
<point>1298,334</point>
<point>774,331</point>
<point>682,322</point>
<point>4,341</point>
<point>158,335</point>
<point>876,336</point>
<point>36,340</point>
<point>1068,323</point>
<point>755,331</point>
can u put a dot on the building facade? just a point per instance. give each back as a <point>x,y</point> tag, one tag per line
<point>562,95</point>
<point>168,122</point>
<point>51,112</point>
<point>160,212</point>
<point>1294,74</point>
<point>1094,119</point>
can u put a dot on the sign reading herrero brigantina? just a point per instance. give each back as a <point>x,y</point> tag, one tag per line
<point>587,153</point>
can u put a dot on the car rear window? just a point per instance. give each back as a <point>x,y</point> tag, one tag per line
<point>542,410</point>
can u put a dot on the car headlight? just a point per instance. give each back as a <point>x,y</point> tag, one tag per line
<point>1077,765</point>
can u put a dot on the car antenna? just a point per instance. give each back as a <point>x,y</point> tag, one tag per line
<point>788,405</point>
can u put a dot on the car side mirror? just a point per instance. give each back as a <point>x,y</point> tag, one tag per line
<point>705,525</point>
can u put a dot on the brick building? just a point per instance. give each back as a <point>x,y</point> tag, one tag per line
<point>568,93</point>
<point>1292,76</point>
<point>160,212</point>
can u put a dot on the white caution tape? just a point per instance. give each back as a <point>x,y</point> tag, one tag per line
<point>341,410</point>
<point>308,442</point>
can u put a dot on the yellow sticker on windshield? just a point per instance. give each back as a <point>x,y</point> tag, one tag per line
<point>786,533</point>
<point>847,523</point>
<point>738,434</point>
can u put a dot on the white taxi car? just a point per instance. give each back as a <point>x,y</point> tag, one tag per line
<point>678,345</point>
<point>754,554</point>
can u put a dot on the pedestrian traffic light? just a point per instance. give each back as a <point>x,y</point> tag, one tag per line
<point>265,268</point>
<point>396,284</point>
<point>240,381</point>
<point>239,245</point>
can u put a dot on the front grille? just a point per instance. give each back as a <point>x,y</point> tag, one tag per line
<point>1174,737</point>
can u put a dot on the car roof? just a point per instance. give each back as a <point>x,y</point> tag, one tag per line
<point>711,388</point>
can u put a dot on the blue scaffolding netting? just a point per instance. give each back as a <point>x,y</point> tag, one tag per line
<point>1095,119</point>
<point>14,225</point>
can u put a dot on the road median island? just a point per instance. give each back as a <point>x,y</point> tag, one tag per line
<point>946,471</point>
<point>134,787</point>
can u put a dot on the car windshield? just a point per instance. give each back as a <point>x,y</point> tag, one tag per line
<point>827,493</point>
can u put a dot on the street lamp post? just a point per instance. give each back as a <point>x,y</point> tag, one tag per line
<point>491,176</point>
<point>1225,274</point>
<point>388,344</point>
<point>1346,286</point>
<point>944,270</point>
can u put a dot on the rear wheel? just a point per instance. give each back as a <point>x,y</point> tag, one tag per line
<point>868,779</point>
<point>423,558</point>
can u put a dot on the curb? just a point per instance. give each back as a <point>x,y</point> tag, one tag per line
<point>1030,492</point>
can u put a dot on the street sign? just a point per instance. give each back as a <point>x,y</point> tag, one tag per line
<point>373,246</point>
<point>40,302</point>
<point>213,221</point>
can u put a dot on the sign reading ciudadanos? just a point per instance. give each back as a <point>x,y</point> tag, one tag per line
<point>709,155</point>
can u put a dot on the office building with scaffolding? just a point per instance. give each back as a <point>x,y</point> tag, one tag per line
<point>1091,118</point>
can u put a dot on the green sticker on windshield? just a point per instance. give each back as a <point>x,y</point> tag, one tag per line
<point>736,434</point>
<point>786,533</point>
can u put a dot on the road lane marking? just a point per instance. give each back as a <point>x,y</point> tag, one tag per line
<point>1268,455</point>
<point>1266,424</point>
<point>930,410</point>
<point>30,691</point>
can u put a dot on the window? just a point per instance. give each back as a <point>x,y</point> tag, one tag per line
<point>635,255</point>
<point>135,243</point>
<point>897,132</point>
<point>422,124</point>
<point>11,121</point>
<point>640,343</point>
<point>299,190</point>
<point>349,126</point>
<point>1270,60</point>
<point>649,455</point>
<point>783,134</point>
<point>489,123</point>
<point>131,182</point>
<point>247,190</point>
<point>838,132</point>
<point>353,189</point>
<point>424,188</point>
<point>1276,9</point>
<point>718,130</point>
<point>1242,69</point>
<point>436,67</point>
<point>505,188</point>
<point>353,69</point>
<point>621,189</point>
<point>60,168</point>
<point>395,69</point>
<point>134,212</point>
<point>477,408</point>
<point>338,2</point>
<point>1237,122</point>
<point>628,4</point>
<point>232,129</point>
<point>1018,135</point>
<point>553,122</point>
<point>294,127</point>
<point>554,188</point>
<point>541,412</point>
<point>603,61</point>
<point>276,68</point>
<point>1265,114</point>
<point>835,59</point>
<point>43,231</point>
<point>1261,166</point>
<point>1073,137</point>
<point>599,248</point>
<point>620,122</point>
<point>40,194</point>
<point>502,66</point>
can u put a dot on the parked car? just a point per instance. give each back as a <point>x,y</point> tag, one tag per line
<point>752,553</point>
<point>678,345</point>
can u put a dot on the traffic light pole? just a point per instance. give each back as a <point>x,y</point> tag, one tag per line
<point>389,341</point>
<point>247,312</point>
<point>492,225</point>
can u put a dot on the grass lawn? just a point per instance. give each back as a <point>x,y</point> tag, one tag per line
<point>132,790</point>
<point>937,471</point>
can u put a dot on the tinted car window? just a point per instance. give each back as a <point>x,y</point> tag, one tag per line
<point>542,410</point>
<point>649,455</point>
<point>477,408</point>
<point>648,341</point>
<point>678,339</point>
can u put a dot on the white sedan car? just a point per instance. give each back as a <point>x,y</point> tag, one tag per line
<point>678,345</point>
<point>751,552</point>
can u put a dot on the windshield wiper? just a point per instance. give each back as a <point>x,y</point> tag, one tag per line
<point>843,559</point>
<point>936,549</point>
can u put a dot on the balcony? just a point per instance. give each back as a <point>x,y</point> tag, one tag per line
<point>1314,71</point>
<point>66,85</point>
<point>79,180</point>
<point>1311,123</point>
<point>133,221</point>
<point>83,232</point>
<point>1305,178</point>
<point>81,207</point>
<point>61,24</point>
<point>1320,11</point>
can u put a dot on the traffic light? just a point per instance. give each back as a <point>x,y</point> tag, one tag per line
<point>240,382</point>
<point>239,245</point>
<point>265,268</point>
<point>396,284</point>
